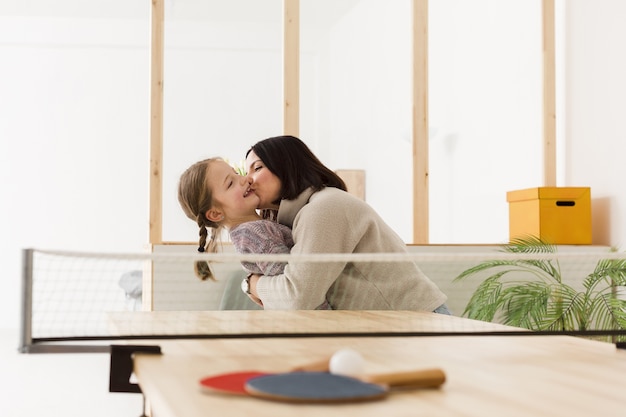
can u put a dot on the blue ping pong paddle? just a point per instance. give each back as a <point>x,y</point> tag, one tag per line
<point>324,387</point>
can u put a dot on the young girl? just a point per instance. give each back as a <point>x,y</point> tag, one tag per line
<point>215,196</point>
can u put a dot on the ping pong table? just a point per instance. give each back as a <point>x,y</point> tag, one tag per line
<point>487,374</point>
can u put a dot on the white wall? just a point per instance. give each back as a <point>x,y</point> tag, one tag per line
<point>222,93</point>
<point>485,115</point>
<point>74,136</point>
<point>595,106</point>
<point>73,169</point>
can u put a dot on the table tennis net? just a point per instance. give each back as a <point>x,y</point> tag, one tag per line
<point>81,297</point>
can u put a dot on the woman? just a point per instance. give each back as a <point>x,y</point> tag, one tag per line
<point>311,199</point>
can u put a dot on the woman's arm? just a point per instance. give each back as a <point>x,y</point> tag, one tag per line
<point>329,223</point>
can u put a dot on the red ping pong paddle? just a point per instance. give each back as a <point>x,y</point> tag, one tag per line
<point>324,387</point>
<point>230,383</point>
<point>234,382</point>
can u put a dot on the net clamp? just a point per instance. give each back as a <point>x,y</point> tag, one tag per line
<point>121,370</point>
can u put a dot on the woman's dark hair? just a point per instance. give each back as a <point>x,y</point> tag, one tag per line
<point>295,165</point>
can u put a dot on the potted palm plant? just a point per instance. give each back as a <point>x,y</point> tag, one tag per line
<point>543,300</point>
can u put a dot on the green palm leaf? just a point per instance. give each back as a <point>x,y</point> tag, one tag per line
<point>524,304</point>
<point>612,269</point>
<point>607,313</point>
<point>566,310</point>
<point>484,302</point>
<point>533,245</point>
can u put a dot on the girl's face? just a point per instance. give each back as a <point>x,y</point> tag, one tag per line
<point>231,195</point>
<point>263,182</point>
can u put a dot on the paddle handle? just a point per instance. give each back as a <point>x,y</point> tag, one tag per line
<point>424,378</point>
<point>316,366</point>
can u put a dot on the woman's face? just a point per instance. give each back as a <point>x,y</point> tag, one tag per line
<point>264,183</point>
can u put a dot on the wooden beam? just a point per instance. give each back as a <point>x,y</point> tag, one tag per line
<point>420,122</point>
<point>291,67</point>
<point>156,123</point>
<point>355,181</point>
<point>549,94</point>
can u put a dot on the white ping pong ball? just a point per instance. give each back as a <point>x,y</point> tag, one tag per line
<point>347,362</point>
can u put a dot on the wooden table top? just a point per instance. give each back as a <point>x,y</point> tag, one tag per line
<point>292,322</point>
<point>495,375</point>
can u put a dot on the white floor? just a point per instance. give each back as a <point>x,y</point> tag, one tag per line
<point>68,385</point>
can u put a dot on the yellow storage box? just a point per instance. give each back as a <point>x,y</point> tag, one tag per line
<point>557,215</point>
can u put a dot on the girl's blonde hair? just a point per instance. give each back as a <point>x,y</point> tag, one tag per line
<point>196,198</point>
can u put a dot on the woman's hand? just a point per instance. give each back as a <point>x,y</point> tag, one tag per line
<point>253,294</point>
